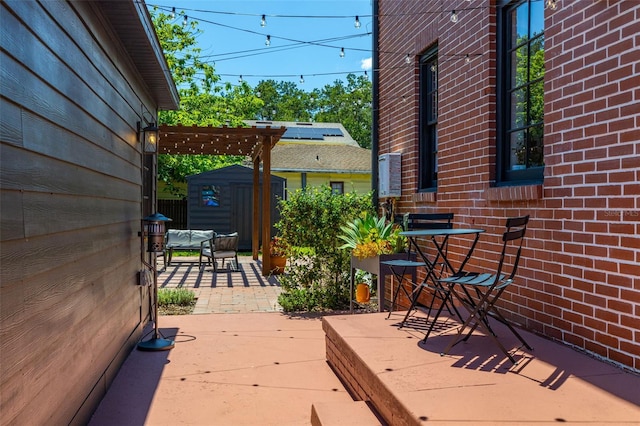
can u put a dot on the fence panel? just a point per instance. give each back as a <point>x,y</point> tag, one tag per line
<point>175,210</point>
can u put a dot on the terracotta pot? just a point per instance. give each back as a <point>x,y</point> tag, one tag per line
<point>362,293</point>
<point>277,264</point>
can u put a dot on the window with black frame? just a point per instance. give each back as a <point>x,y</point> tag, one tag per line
<point>428,147</point>
<point>521,92</point>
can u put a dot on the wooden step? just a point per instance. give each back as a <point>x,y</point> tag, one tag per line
<point>348,413</point>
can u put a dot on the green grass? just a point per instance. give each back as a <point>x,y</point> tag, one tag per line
<point>176,296</point>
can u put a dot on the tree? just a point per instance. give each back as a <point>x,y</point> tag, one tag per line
<point>350,105</point>
<point>283,101</point>
<point>202,100</point>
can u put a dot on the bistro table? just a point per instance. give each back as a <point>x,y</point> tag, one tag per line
<point>439,238</point>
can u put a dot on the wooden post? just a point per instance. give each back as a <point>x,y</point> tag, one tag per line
<point>255,231</point>
<point>266,206</point>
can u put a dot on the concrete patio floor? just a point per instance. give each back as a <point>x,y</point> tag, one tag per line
<point>269,368</point>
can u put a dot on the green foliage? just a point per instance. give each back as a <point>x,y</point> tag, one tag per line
<point>369,235</point>
<point>202,100</point>
<point>350,105</point>
<point>317,276</point>
<point>175,296</point>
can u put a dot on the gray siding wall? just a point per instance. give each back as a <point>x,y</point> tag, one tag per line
<point>70,187</point>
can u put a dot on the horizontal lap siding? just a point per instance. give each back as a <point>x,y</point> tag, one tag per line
<point>71,207</point>
<point>579,279</point>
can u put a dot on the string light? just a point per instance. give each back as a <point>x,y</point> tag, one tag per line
<point>301,79</point>
<point>267,42</point>
<point>342,52</point>
<point>467,58</point>
<point>407,59</point>
<point>551,4</point>
<point>454,16</point>
<point>240,81</point>
<point>173,13</point>
<point>184,21</point>
<point>357,22</point>
<point>433,67</point>
<point>263,21</point>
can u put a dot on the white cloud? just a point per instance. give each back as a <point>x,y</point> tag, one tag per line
<point>365,64</point>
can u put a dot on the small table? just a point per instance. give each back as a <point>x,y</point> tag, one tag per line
<point>439,290</point>
<point>400,276</point>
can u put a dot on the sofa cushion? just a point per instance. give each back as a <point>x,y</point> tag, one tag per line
<point>198,236</point>
<point>178,238</point>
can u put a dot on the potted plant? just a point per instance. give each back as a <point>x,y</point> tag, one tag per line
<point>278,255</point>
<point>363,286</point>
<point>370,236</point>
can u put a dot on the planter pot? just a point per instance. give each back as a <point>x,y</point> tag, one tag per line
<point>362,293</point>
<point>277,264</point>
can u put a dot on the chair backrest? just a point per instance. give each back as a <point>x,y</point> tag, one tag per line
<point>512,239</point>
<point>411,221</point>
<point>228,242</point>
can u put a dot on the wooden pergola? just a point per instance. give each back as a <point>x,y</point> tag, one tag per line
<point>254,142</point>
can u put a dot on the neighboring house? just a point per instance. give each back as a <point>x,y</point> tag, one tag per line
<point>315,154</point>
<point>526,107</point>
<point>76,78</point>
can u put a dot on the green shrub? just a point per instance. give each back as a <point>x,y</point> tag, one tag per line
<point>318,273</point>
<point>176,296</point>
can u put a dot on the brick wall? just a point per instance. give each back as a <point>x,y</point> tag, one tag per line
<point>579,280</point>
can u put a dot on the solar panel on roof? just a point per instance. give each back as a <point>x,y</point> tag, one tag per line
<point>332,131</point>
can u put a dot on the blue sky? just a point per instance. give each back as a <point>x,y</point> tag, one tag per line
<point>306,38</point>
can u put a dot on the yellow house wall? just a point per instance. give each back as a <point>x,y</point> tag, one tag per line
<point>360,183</point>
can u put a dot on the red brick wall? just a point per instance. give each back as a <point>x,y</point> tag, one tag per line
<point>579,280</point>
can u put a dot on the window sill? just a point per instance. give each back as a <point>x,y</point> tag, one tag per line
<point>424,197</point>
<point>514,193</point>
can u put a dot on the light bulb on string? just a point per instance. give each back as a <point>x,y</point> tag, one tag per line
<point>551,4</point>
<point>240,79</point>
<point>433,67</point>
<point>263,21</point>
<point>454,16</point>
<point>366,75</point>
<point>407,59</point>
<point>467,58</point>
<point>301,79</point>
<point>267,42</point>
<point>342,52</point>
<point>184,21</point>
<point>173,13</point>
<point>357,22</point>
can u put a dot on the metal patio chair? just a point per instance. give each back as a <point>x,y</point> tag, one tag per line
<point>478,292</point>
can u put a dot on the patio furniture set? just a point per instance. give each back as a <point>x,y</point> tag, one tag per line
<point>477,292</point>
<point>211,246</point>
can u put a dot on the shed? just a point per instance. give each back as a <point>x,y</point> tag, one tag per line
<point>222,200</point>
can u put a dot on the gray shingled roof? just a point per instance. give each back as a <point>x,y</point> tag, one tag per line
<point>292,157</point>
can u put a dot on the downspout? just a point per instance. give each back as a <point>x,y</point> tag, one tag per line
<point>374,106</point>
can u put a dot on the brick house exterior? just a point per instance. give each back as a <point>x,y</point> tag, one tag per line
<point>579,279</point>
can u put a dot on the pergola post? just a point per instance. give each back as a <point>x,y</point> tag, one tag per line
<point>266,205</point>
<point>255,232</point>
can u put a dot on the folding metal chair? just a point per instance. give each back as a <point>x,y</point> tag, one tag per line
<point>479,292</point>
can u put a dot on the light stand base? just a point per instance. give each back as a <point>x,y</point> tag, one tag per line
<point>156,345</point>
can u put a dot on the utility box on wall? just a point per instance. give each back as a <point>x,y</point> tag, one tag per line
<point>389,175</point>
